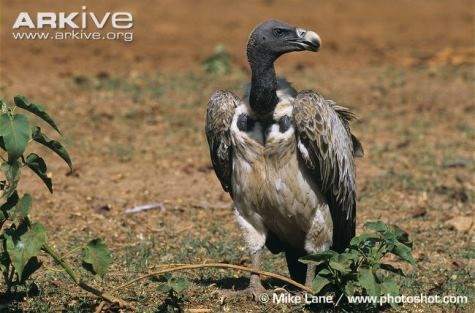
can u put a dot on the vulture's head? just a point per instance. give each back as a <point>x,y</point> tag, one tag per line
<point>273,38</point>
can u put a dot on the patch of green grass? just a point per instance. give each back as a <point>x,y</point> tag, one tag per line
<point>137,88</point>
<point>123,152</point>
<point>137,257</point>
<point>469,130</point>
<point>394,77</point>
<point>218,62</point>
<point>438,280</point>
<point>449,71</point>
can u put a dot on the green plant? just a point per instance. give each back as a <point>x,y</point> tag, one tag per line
<point>218,62</point>
<point>21,240</point>
<point>173,288</point>
<point>360,269</point>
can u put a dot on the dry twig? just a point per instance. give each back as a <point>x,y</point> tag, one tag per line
<point>215,265</point>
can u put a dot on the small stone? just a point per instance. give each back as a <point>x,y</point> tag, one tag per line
<point>471,265</point>
<point>104,209</point>
<point>456,163</point>
<point>419,212</point>
<point>458,263</point>
<point>463,178</point>
<point>461,224</point>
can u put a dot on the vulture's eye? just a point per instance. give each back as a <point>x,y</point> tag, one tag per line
<point>278,32</point>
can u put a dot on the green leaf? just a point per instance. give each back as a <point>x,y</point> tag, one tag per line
<point>365,238</point>
<point>390,232</point>
<point>12,172</point>
<point>38,165</point>
<point>179,284</point>
<point>54,145</point>
<point>374,255</point>
<point>24,244</point>
<point>97,255</point>
<point>325,273</point>
<point>35,108</point>
<point>367,280</point>
<point>319,282</point>
<point>390,268</point>
<point>389,286</point>
<point>164,288</point>
<point>403,252</point>
<point>167,276</point>
<point>390,240</point>
<point>341,263</point>
<point>15,131</point>
<point>402,236</point>
<point>350,288</point>
<point>318,258</point>
<point>376,226</point>
<point>22,208</point>
<point>352,255</point>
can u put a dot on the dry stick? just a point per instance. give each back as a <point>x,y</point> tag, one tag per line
<point>217,265</point>
<point>100,307</point>
<point>70,252</point>
<point>108,297</point>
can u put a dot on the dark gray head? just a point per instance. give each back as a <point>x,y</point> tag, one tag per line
<point>273,38</point>
<point>267,42</point>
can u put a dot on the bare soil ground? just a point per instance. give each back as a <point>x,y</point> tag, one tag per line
<point>133,114</point>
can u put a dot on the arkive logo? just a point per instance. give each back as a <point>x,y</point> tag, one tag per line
<point>74,20</point>
<point>82,25</point>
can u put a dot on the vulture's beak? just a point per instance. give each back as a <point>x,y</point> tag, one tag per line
<point>307,40</point>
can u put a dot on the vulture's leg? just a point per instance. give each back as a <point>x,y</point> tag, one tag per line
<point>300,272</point>
<point>254,235</point>
<point>311,268</point>
<point>319,238</point>
<point>297,270</point>
<point>255,285</point>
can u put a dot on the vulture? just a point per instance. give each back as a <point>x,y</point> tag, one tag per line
<point>285,157</point>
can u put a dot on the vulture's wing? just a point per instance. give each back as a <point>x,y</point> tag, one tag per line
<point>328,148</point>
<point>221,108</point>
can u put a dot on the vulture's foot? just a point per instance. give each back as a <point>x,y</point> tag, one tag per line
<point>255,289</point>
<point>255,286</point>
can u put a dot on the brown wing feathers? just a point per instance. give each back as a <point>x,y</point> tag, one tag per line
<point>219,116</point>
<point>323,129</point>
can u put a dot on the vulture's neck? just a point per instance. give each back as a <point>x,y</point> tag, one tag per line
<point>263,95</point>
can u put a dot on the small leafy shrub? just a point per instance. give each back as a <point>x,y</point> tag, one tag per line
<point>360,269</point>
<point>173,288</point>
<point>96,257</point>
<point>218,62</point>
<point>21,241</point>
